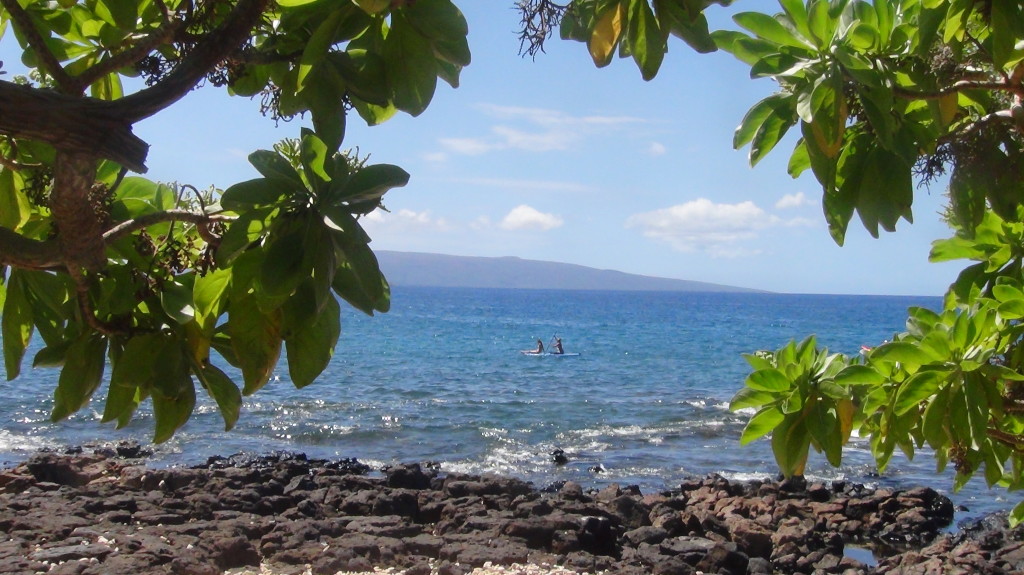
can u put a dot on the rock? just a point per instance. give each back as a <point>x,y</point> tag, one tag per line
<point>93,513</point>
<point>558,457</point>
<point>410,476</point>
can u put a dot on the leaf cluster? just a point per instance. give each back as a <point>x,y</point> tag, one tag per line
<point>191,283</point>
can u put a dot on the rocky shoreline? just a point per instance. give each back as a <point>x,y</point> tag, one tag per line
<point>102,510</point>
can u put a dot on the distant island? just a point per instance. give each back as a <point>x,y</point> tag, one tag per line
<point>438,270</point>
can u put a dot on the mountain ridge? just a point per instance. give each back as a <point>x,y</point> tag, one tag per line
<point>441,270</point>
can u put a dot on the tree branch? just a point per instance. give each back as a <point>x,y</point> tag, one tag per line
<point>216,46</point>
<point>23,23</point>
<point>72,124</point>
<point>132,55</point>
<point>124,228</point>
<point>998,85</point>
<point>18,251</point>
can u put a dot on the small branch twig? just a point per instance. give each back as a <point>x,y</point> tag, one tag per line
<point>128,57</point>
<point>127,227</point>
<point>23,23</point>
<point>87,309</point>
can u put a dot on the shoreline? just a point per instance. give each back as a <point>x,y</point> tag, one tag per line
<point>103,510</point>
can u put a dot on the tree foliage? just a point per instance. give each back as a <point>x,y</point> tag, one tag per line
<point>881,95</point>
<point>156,281</point>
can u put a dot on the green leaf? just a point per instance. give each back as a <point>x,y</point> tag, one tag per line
<point>176,299</point>
<point>823,427</point>
<point>51,355</point>
<point>955,248</point>
<point>15,208</point>
<point>1004,25</point>
<point>249,228</point>
<point>81,375</point>
<point>314,154</point>
<point>832,390</point>
<point>359,281</point>
<point>761,424</point>
<point>1016,514</point>
<point>411,67</point>
<point>224,391</point>
<point>255,340</point>
<point>245,196</point>
<point>134,368</point>
<point>747,397</point>
<point>933,425</point>
<point>916,389</point>
<point>768,28</point>
<point>773,105</point>
<point>285,265</point>
<point>209,293</point>
<point>318,45</point>
<point>369,184</point>
<point>903,352</point>
<point>692,30</point>
<point>790,443</point>
<point>174,395</point>
<point>768,135</point>
<point>758,360</point>
<point>295,3</point>
<point>444,25</point>
<point>373,114</point>
<point>17,327</point>
<point>329,116</point>
<point>277,169</point>
<point>311,348</point>
<point>771,380</point>
<point>647,43</point>
<point>373,6</point>
<point>859,375</point>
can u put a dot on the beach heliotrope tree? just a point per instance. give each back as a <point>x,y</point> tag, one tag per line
<point>880,96</point>
<point>112,269</point>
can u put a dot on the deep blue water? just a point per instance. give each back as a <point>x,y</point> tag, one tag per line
<point>440,378</point>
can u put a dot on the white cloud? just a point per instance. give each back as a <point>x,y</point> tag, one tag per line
<point>524,185</point>
<point>657,149</point>
<point>701,225</point>
<point>535,130</point>
<point>481,223</point>
<point>526,218</point>
<point>792,201</point>
<point>467,146</point>
<point>536,142</point>
<point>405,220</point>
<point>548,117</point>
<point>436,157</point>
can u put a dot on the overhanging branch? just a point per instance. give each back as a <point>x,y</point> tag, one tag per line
<point>18,251</point>
<point>127,227</point>
<point>215,47</point>
<point>72,124</point>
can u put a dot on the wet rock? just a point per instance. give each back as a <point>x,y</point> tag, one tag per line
<point>97,512</point>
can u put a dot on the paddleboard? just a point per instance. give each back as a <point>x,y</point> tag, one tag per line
<point>546,353</point>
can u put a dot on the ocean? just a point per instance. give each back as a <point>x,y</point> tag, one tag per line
<point>440,379</point>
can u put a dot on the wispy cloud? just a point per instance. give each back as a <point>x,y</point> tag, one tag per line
<point>435,157</point>
<point>792,201</point>
<point>522,185</point>
<point>657,149</point>
<point>720,230</point>
<point>405,221</point>
<point>527,218</point>
<point>468,146</point>
<point>533,129</point>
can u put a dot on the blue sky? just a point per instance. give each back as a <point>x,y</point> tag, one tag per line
<point>556,160</point>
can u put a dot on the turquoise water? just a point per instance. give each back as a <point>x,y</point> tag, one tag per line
<point>440,378</point>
